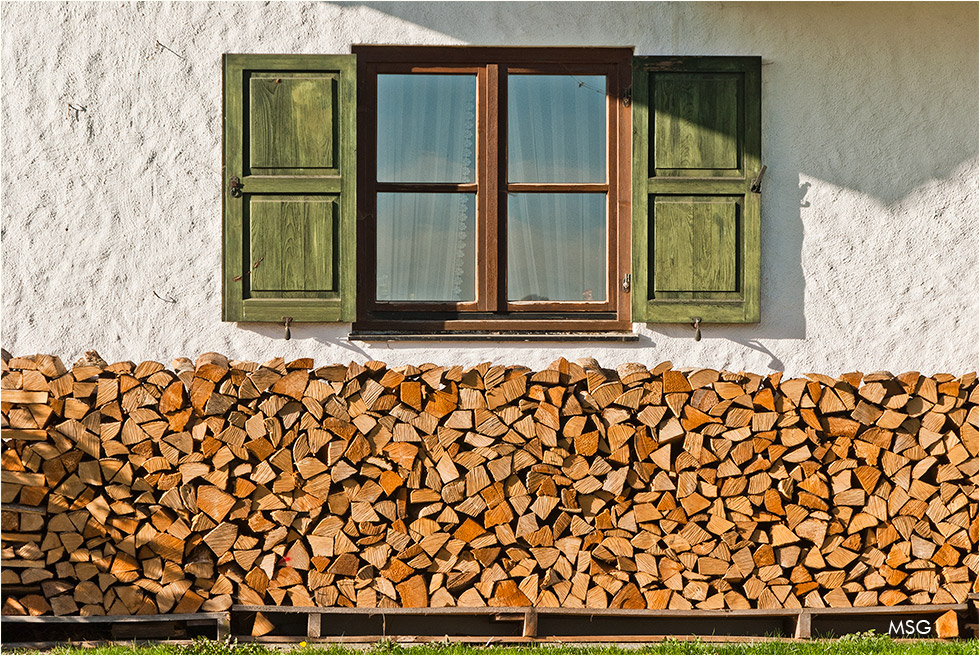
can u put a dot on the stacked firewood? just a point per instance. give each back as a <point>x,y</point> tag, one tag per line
<point>132,489</point>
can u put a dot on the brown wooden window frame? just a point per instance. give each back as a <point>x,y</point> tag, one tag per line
<point>491,311</point>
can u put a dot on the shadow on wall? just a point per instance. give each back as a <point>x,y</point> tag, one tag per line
<point>314,331</point>
<point>871,114</point>
<point>783,284</point>
<point>856,95</point>
<point>301,331</point>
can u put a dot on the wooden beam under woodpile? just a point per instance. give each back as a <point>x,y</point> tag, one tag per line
<point>137,489</point>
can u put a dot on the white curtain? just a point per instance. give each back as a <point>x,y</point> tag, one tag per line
<point>556,128</point>
<point>556,247</point>
<point>426,241</point>
<point>556,242</point>
<point>426,247</point>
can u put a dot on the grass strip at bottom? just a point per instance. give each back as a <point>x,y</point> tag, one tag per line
<point>859,643</point>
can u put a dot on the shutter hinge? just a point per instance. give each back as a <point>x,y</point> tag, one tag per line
<point>627,96</point>
<point>627,279</point>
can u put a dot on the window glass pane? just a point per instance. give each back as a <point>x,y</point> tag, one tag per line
<point>556,128</point>
<point>426,128</point>
<point>426,247</point>
<point>556,247</point>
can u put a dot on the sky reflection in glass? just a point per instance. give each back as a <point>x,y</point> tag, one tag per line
<point>426,128</point>
<point>556,247</point>
<point>556,128</point>
<point>426,247</point>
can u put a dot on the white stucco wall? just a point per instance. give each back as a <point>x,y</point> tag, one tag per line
<point>870,205</point>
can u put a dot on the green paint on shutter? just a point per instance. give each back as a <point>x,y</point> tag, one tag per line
<point>290,121</point>
<point>694,245</point>
<point>696,222</point>
<point>289,236</point>
<point>696,122</point>
<point>292,240</point>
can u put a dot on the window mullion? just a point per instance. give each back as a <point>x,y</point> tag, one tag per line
<point>498,139</point>
<point>488,265</point>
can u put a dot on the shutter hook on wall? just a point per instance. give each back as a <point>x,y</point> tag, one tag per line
<point>286,321</point>
<point>756,186</point>
<point>696,324</point>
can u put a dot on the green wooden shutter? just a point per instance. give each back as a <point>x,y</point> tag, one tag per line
<point>696,221</point>
<point>289,228</point>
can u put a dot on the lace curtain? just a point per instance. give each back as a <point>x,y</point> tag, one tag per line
<point>556,242</point>
<point>426,242</point>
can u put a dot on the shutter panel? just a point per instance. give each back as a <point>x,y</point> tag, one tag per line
<point>696,222</point>
<point>289,229</point>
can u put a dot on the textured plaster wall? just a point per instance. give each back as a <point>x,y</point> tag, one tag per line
<point>111,214</point>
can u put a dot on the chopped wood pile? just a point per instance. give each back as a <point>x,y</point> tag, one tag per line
<point>132,489</point>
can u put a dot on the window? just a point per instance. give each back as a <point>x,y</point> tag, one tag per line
<point>431,189</point>
<point>490,188</point>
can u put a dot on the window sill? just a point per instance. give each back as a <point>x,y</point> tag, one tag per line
<point>494,336</point>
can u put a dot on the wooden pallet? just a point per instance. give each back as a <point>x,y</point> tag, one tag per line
<point>972,625</point>
<point>480,625</point>
<point>116,627</point>
<point>567,624</point>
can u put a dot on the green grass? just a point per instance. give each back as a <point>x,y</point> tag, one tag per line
<point>862,643</point>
